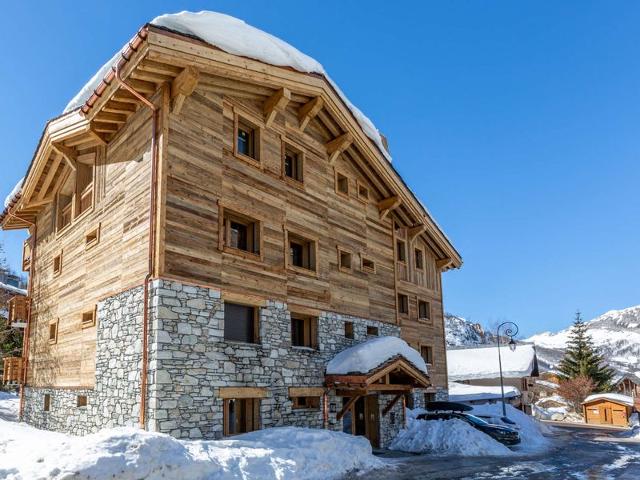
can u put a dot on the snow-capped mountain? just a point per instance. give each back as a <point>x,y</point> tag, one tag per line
<point>616,333</point>
<point>460,331</point>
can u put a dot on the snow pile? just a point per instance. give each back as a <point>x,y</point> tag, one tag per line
<point>234,36</point>
<point>11,288</point>
<point>14,193</point>
<point>459,392</point>
<point>369,355</point>
<point>615,397</point>
<point>129,454</point>
<point>9,406</point>
<point>531,431</point>
<point>482,362</point>
<point>446,437</point>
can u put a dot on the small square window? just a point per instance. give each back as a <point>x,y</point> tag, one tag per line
<point>81,401</point>
<point>47,402</point>
<point>53,332</point>
<point>241,232</point>
<point>427,354</point>
<point>246,140</point>
<point>348,330</point>
<point>424,310</point>
<point>401,249</point>
<point>368,265</point>
<point>371,330</point>
<point>304,331</point>
<point>293,164</point>
<point>342,183</point>
<point>363,192</point>
<point>419,259</point>
<point>403,304</point>
<point>302,252</point>
<point>240,323</point>
<point>57,264</point>
<point>92,238</point>
<point>89,318</point>
<point>311,403</point>
<point>241,415</point>
<point>344,260</point>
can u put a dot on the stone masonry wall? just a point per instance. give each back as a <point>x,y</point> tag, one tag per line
<point>115,399</point>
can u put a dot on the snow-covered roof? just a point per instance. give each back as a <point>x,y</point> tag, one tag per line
<point>234,36</point>
<point>459,392</point>
<point>14,193</point>
<point>367,356</point>
<point>615,397</point>
<point>482,362</point>
<point>11,288</point>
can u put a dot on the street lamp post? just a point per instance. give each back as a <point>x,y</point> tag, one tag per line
<point>510,330</point>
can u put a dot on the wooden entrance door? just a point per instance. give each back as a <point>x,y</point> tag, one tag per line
<point>363,418</point>
<point>372,413</point>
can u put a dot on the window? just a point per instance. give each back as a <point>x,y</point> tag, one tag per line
<point>306,402</point>
<point>293,164</point>
<point>419,259</point>
<point>92,238</point>
<point>342,183</point>
<point>84,184</point>
<point>81,401</point>
<point>241,232</point>
<point>65,210</point>
<point>89,318</point>
<point>348,329</point>
<point>401,250</point>
<point>304,331</point>
<point>427,354</point>
<point>302,252</point>
<point>241,415</point>
<point>368,265</point>
<point>53,332</point>
<point>403,303</point>
<point>371,330</point>
<point>57,264</point>
<point>429,397</point>
<point>247,141</point>
<point>47,402</point>
<point>240,323</point>
<point>363,192</point>
<point>344,260</point>
<point>424,310</point>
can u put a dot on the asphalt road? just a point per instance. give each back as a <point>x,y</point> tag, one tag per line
<point>576,455</point>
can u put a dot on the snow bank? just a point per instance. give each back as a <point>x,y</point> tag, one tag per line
<point>234,36</point>
<point>531,431</point>
<point>446,437</point>
<point>14,193</point>
<point>482,362</point>
<point>459,392</point>
<point>9,405</point>
<point>369,355</point>
<point>616,397</point>
<point>130,454</point>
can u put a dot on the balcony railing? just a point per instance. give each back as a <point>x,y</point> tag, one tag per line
<point>18,311</point>
<point>402,271</point>
<point>86,199</point>
<point>12,370</point>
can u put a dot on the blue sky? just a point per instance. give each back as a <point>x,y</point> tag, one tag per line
<point>518,124</point>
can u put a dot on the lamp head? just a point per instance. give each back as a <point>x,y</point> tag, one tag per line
<point>512,345</point>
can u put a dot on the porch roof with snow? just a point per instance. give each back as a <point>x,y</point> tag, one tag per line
<point>482,362</point>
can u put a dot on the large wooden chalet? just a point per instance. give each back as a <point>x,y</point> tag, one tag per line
<point>208,230</point>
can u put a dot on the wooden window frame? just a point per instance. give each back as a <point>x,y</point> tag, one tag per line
<point>426,345</point>
<point>241,216</point>
<point>429,318</point>
<point>286,145</point>
<point>256,322</point>
<point>288,232</point>
<point>349,332</point>
<point>415,258</point>
<point>310,403</point>
<point>310,331</point>
<point>337,174</point>
<point>60,211</point>
<point>88,317</point>
<point>57,264</point>
<point>228,394</point>
<point>363,259</point>
<point>345,251</point>
<point>82,401</point>
<point>46,402</point>
<point>296,393</point>
<point>400,294</point>
<point>361,186</point>
<point>56,324</point>
<point>257,127</point>
<point>404,242</point>
<point>89,243</point>
<point>371,329</point>
<point>78,196</point>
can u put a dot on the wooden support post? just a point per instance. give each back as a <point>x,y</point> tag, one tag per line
<point>276,102</point>
<point>348,405</point>
<point>416,230</point>
<point>338,145</point>
<point>390,405</point>
<point>388,204</point>
<point>69,154</point>
<point>183,86</point>
<point>49,178</point>
<point>308,111</point>
<point>444,263</point>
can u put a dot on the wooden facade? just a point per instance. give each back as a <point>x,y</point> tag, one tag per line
<point>605,411</point>
<point>373,250</point>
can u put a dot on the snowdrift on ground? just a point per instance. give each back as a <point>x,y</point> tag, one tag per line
<point>9,405</point>
<point>131,454</point>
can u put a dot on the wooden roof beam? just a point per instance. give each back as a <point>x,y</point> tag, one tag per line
<point>275,103</point>
<point>49,178</point>
<point>183,86</point>
<point>387,205</point>
<point>108,117</point>
<point>416,230</point>
<point>338,145</point>
<point>444,263</point>
<point>119,107</point>
<point>347,406</point>
<point>142,86</point>
<point>308,111</point>
<point>103,127</point>
<point>69,154</point>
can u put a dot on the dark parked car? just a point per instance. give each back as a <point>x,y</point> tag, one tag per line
<point>505,435</point>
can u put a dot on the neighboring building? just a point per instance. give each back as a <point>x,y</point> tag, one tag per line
<point>263,225</point>
<point>628,384</point>
<point>481,394</point>
<point>11,296</point>
<point>608,409</point>
<point>480,366</point>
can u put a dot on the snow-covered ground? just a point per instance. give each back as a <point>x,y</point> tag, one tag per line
<point>283,453</point>
<point>9,405</point>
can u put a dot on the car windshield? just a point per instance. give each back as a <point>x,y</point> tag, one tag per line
<point>475,420</point>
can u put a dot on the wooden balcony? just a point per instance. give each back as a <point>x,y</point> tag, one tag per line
<point>26,255</point>
<point>18,307</point>
<point>402,271</point>
<point>12,370</point>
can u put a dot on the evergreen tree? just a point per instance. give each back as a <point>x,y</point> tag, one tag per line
<point>581,359</point>
<point>10,338</point>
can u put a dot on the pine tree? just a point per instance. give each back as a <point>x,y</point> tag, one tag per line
<point>581,358</point>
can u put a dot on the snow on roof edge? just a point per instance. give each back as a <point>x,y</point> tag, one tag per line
<point>14,193</point>
<point>11,288</point>
<point>617,397</point>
